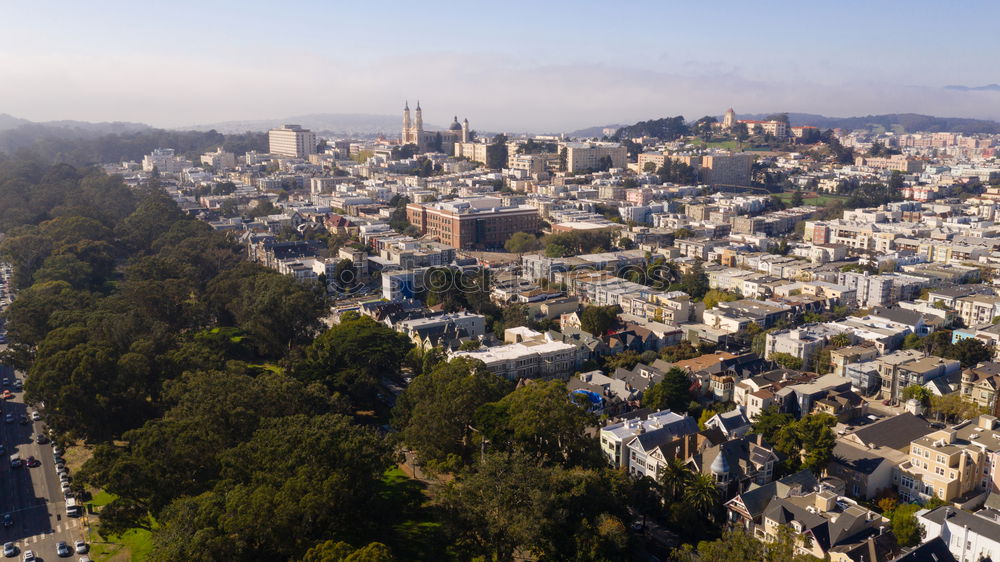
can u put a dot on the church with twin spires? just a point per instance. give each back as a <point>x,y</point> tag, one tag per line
<point>432,141</point>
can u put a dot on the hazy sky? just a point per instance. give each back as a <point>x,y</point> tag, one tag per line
<point>510,65</point>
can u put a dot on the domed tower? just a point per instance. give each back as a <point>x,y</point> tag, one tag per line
<point>729,119</point>
<point>405,138</point>
<point>720,468</point>
<point>465,130</point>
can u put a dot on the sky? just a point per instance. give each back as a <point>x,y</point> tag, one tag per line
<point>538,66</point>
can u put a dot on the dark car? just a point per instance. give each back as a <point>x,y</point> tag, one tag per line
<point>24,420</point>
<point>8,520</point>
<point>32,462</point>
<point>41,439</point>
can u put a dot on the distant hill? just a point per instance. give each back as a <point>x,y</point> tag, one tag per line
<point>899,122</point>
<point>593,131</point>
<point>8,122</point>
<point>667,128</point>
<point>329,123</point>
<point>985,88</point>
<point>82,143</point>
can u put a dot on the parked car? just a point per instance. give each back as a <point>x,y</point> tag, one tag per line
<point>29,556</point>
<point>81,547</point>
<point>63,549</point>
<point>24,419</point>
<point>7,394</point>
<point>9,549</point>
<point>8,520</point>
<point>15,462</point>
<point>32,462</point>
<point>36,416</point>
<point>9,418</point>
<point>41,439</point>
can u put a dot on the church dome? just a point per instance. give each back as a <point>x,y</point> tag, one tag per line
<point>455,126</point>
<point>719,465</point>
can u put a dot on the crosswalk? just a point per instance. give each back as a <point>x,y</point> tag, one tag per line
<point>66,526</point>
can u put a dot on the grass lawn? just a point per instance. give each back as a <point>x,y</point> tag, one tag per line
<point>727,144</point>
<point>133,544</point>
<point>816,199</point>
<point>416,534</point>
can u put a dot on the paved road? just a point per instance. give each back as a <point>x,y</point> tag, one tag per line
<point>33,496</point>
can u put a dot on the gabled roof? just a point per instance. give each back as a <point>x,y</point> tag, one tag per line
<point>856,458</point>
<point>934,550</point>
<point>895,432</point>
<point>732,420</point>
<point>963,519</point>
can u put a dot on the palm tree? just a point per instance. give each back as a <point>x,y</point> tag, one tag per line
<point>702,495</point>
<point>673,477</point>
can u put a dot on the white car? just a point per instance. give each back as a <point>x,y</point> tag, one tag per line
<point>36,416</point>
<point>29,556</point>
<point>81,547</point>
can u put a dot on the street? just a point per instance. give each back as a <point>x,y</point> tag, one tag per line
<point>32,496</point>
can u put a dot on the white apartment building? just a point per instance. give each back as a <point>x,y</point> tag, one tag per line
<point>978,309</point>
<point>804,342</point>
<point>165,161</point>
<point>970,537</point>
<point>219,160</point>
<point>614,437</point>
<point>583,156</point>
<point>292,141</point>
<point>537,357</point>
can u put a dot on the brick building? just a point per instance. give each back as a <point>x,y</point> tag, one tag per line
<point>472,223</point>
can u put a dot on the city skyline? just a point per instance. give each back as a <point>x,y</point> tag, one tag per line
<point>515,67</point>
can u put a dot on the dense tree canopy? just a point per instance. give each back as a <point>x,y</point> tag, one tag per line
<point>436,412</point>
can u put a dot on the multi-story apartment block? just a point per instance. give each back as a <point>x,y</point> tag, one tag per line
<point>941,465</point>
<point>583,156</point>
<point>615,438</point>
<point>904,368</point>
<point>774,128</point>
<point>472,223</point>
<point>898,162</point>
<point>978,309</point>
<point>882,290</point>
<point>538,356</point>
<point>292,141</point>
<point>981,384</point>
<point>219,160</point>
<point>804,342</point>
<point>719,168</point>
<point>970,537</point>
<point>443,330</point>
<point>165,161</point>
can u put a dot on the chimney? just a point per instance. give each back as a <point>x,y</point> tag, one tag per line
<point>825,500</point>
